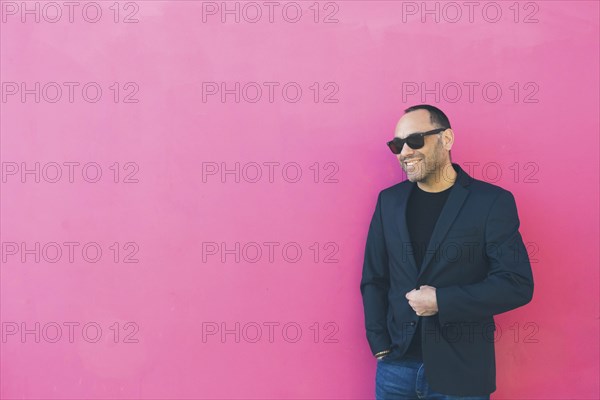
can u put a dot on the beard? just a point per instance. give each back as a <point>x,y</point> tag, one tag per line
<point>428,168</point>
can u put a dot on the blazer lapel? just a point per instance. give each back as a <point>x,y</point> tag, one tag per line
<point>400,213</point>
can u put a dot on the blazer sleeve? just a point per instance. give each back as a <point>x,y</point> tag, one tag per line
<point>509,282</point>
<point>374,285</point>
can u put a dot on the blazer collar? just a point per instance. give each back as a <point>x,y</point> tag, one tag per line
<point>456,198</point>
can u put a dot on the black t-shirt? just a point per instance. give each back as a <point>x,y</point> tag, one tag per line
<point>422,212</point>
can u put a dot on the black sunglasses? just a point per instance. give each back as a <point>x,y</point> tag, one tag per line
<point>414,140</point>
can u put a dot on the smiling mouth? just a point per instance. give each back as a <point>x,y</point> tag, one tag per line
<point>411,163</point>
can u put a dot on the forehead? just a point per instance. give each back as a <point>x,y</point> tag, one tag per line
<point>414,121</point>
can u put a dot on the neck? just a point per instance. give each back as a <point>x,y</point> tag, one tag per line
<point>440,180</point>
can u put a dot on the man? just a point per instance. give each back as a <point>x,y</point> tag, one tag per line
<point>443,256</point>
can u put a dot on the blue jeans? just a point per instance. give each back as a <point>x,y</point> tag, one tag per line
<point>405,380</point>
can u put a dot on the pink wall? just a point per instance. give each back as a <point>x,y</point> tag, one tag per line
<point>163,215</point>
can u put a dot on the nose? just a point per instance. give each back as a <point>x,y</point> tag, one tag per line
<point>406,151</point>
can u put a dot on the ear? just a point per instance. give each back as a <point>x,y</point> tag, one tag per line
<point>448,138</point>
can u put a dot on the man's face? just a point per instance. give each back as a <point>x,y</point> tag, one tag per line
<point>421,165</point>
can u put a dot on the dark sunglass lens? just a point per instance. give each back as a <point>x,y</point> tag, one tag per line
<point>415,142</point>
<point>395,147</point>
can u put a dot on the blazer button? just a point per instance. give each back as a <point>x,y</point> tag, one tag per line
<point>412,323</point>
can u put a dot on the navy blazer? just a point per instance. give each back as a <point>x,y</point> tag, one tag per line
<point>479,266</point>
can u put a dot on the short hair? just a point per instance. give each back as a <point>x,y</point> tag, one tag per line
<point>436,116</point>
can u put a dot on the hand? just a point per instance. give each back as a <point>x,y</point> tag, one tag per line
<point>423,301</point>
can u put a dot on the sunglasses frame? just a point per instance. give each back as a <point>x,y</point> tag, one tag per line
<point>394,142</point>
